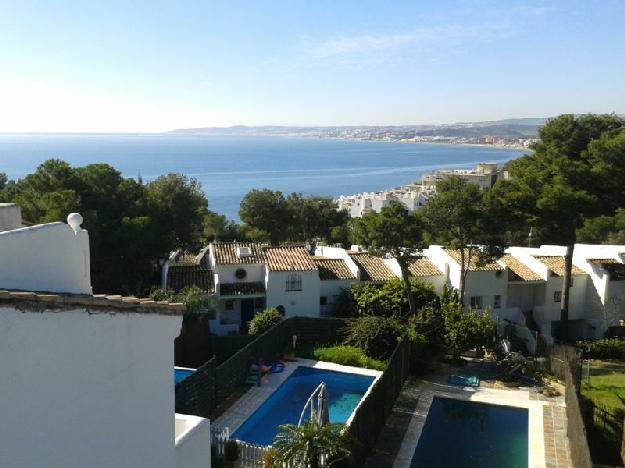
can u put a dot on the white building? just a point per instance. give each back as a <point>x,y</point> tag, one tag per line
<point>335,276</point>
<point>87,379</point>
<point>484,175</point>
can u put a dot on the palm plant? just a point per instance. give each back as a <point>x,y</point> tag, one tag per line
<point>311,445</point>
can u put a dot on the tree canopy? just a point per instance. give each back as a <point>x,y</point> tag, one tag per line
<point>131,225</point>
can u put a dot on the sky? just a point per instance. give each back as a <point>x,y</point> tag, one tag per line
<point>160,65</point>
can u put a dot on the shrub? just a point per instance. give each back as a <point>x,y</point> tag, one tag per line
<point>348,356</point>
<point>264,320</point>
<point>191,296</point>
<point>376,336</point>
<point>383,300</point>
<point>609,348</point>
<point>467,330</point>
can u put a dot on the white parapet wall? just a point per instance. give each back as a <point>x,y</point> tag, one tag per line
<point>193,444</point>
<point>50,257</point>
<point>87,387</point>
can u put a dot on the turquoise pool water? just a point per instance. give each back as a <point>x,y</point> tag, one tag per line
<point>181,374</point>
<point>285,405</point>
<point>468,434</point>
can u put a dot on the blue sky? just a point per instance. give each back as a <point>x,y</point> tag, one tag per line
<point>154,66</point>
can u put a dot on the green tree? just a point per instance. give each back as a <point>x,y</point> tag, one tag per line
<point>384,300</point>
<point>217,227</point>
<point>3,180</point>
<point>315,217</point>
<point>131,226</point>
<point>604,229</point>
<point>268,212</point>
<point>394,232</point>
<point>454,217</point>
<point>571,176</point>
<point>306,444</point>
<point>467,330</point>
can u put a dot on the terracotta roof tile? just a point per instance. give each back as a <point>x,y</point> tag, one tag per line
<point>477,263</point>
<point>519,271</point>
<point>226,253</point>
<point>181,276</point>
<point>333,269</point>
<point>603,261</point>
<point>289,259</point>
<point>183,257</point>
<point>423,266</point>
<point>556,264</point>
<point>372,268</point>
<point>241,289</point>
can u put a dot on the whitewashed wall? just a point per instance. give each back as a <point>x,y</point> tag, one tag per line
<point>193,447</point>
<point>84,389</point>
<point>304,303</point>
<point>331,289</point>
<point>47,257</point>
<point>10,216</point>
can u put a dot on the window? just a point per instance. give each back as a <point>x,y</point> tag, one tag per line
<point>229,305</point>
<point>323,300</point>
<point>557,296</point>
<point>476,302</point>
<point>497,302</point>
<point>294,282</point>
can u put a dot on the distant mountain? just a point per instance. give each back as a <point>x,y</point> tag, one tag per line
<point>508,128</point>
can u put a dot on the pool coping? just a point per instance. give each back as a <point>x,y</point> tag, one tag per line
<point>512,398</point>
<point>245,406</point>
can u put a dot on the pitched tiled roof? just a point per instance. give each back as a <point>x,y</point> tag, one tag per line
<point>519,271</point>
<point>183,257</point>
<point>477,263</point>
<point>226,253</point>
<point>241,289</point>
<point>181,276</point>
<point>289,259</point>
<point>372,268</point>
<point>603,261</point>
<point>556,264</point>
<point>333,269</point>
<point>422,266</point>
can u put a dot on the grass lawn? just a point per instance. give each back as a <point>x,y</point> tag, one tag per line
<point>607,384</point>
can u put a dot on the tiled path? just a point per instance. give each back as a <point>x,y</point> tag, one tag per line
<point>556,443</point>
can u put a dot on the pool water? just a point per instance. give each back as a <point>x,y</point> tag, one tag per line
<point>285,405</point>
<point>469,434</point>
<point>181,374</point>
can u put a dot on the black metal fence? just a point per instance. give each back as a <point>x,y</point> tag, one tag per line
<point>371,414</point>
<point>214,382</point>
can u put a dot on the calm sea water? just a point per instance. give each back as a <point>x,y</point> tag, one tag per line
<point>228,167</point>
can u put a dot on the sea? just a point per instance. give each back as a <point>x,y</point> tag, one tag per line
<point>230,166</point>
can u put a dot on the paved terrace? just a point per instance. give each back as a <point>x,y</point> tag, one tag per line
<point>548,444</point>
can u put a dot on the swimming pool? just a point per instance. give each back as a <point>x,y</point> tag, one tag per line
<point>181,373</point>
<point>469,434</point>
<point>285,405</point>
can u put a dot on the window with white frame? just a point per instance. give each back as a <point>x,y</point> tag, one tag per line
<point>557,296</point>
<point>294,282</point>
<point>476,302</point>
<point>497,302</point>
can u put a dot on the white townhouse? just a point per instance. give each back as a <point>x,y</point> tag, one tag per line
<point>87,379</point>
<point>540,294</point>
<point>250,277</point>
<point>605,267</point>
<point>485,285</point>
<point>334,276</point>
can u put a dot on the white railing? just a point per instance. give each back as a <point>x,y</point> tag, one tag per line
<point>250,455</point>
<point>219,437</point>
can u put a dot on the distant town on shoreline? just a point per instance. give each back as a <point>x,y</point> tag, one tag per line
<point>508,133</point>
